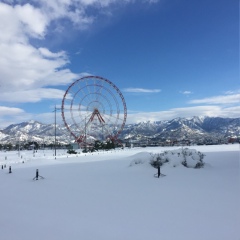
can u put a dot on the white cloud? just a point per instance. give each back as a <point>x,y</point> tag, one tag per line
<point>186,92</point>
<point>33,21</point>
<point>211,111</point>
<point>105,3</point>
<point>32,95</point>
<point>141,90</point>
<point>48,54</point>
<point>9,115</point>
<point>224,99</point>
<point>22,65</point>
<point>232,92</point>
<point>20,22</point>
<point>9,111</point>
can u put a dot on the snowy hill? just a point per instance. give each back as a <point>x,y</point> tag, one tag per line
<point>104,196</point>
<point>196,129</point>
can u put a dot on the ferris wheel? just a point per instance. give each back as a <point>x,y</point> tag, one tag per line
<point>93,108</point>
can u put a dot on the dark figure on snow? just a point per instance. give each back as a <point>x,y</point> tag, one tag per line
<point>37,174</point>
<point>159,173</point>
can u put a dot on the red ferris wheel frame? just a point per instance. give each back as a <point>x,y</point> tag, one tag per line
<point>93,106</point>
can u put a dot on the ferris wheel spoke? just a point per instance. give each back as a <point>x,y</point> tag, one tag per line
<point>83,93</point>
<point>99,91</point>
<point>111,122</point>
<point>90,90</point>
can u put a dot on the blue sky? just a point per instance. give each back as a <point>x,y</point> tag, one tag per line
<point>168,58</point>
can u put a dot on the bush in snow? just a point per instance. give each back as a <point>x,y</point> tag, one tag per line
<point>189,158</point>
<point>184,155</point>
<point>200,162</point>
<point>71,151</point>
<point>192,158</point>
<point>158,159</point>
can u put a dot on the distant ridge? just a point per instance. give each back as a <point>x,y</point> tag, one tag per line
<point>195,129</point>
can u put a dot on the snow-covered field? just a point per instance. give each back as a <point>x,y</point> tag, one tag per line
<point>104,196</point>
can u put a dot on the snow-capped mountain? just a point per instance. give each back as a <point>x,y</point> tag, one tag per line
<point>194,129</point>
<point>34,131</point>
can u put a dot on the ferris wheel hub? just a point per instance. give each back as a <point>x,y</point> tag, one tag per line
<point>97,114</point>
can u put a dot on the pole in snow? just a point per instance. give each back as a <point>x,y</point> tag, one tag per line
<point>37,175</point>
<point>55,130</point>
<point>159,174</point>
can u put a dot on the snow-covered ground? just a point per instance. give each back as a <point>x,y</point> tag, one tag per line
<point>105,196</point>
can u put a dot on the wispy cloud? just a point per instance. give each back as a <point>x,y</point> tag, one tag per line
<point>223,99</point>
<point>232,92</point>
<point>186,92</point>
<point>10,111</point>
<point>32,95</point>
<point>141,90</point>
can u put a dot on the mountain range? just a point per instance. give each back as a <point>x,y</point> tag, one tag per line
<point>195,130</point>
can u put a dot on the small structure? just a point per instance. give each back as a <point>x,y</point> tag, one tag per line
<point>37,176</point>
<point>74,146</point>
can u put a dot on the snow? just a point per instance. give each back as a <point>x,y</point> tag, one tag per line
<point>115,196</point>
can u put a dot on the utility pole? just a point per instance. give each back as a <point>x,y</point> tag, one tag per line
<point>43,147</point>
<point>19,147</point>
<point>85,135</point>
<point>55,129</point>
